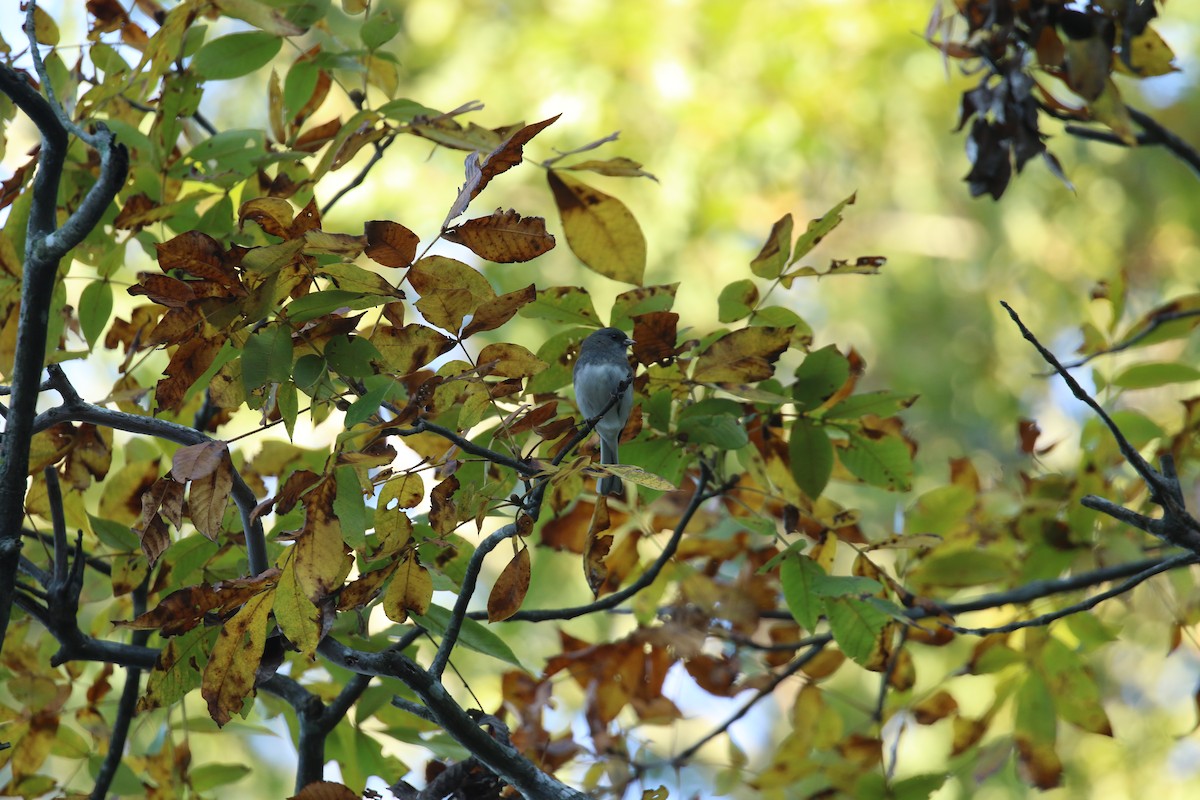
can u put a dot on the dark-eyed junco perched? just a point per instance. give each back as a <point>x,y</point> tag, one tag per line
<point>599,371</point>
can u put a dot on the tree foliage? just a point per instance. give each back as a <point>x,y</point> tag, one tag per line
<point>318,467</point>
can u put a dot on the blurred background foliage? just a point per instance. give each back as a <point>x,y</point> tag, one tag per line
<point>748,110</point>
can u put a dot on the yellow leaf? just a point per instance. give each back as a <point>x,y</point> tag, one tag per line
<point>298,618</point>
<point>743,356</point>
<point>229,677</point>
<point>601,231</point>
<point>510,361</point>
<point>411,589</point>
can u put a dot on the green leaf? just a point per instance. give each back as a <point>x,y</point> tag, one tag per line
<point>714,421</point>
<point>95,306</point>
<point>380,390</point>
<point>811,455</point>
<point>959,567</point>
<point>880,404</point>
<point>797,576</point>
<point>352,356</point>
<point>562,304</point>
<point>267,357</point>
<point>1076,694</point>
<point>236,54</point>
<point>939,510</point>
<point>473,635</point>
<point>379,29</point>
<point>818,229</point>
<point>1150,376</point>
<point>856,626</point>
<point>737,300</point>
<point>209,776</point>
<point>883,462</point>
<point>319,304</point>
<point>287,400</point>
<point>350,508</point>
<point>298,86</point>
<point>405,110</point>
<point>820,375</point>
<point>115,535</point>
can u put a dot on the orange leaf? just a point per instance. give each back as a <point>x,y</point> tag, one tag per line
<point>509,590</point>
<point>596,546</point>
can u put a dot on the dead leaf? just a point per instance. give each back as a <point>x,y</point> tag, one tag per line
<point>509,590</point>
<point>504,237</point>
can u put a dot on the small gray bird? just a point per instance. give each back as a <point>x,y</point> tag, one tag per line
<point>599,370</point>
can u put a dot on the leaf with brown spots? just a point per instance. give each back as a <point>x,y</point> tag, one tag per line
<point>443,515</point>
<point>229,676</point>
<point>596,546</point>
<point>184,609</point>
<point>407,349</point>
<point>600,229</point>
<point>321,558</point>
<point>743,356</point>
<point>493,313</point>
<point>504,237</point>
<point>209,496</point>
<point>273,215</point>
<point>449,289</point>
<point>509,361</point>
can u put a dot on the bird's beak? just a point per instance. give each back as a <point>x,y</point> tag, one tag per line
<point>629,342</point>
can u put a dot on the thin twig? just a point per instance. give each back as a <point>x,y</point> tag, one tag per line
<point>645,579</point>
<point>125,708</point>
<point>1155,323</point>
<point>1084,605</point>
<point>795,666</point>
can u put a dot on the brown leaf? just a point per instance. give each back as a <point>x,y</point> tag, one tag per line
<point>596,546</point>
<point>936,706</point>
<point>188,363</point>
<point>209,497</point>
<point>742,356</point>
<point>654,337</point>
<point>509,590</point>
<point>600,229</point>
<point>229,676</point>
<point>198,460</point>
<point>390,243</point>
<point>499,310</point>
<point>154,538</point>
<point>504,157</point>
<point>163,289</point>
<point>314,139</point>
<point>363,589</point>
<point>325,790</point>
<point>504,237</point>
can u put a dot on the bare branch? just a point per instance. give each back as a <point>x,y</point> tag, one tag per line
<point>1177,526</point>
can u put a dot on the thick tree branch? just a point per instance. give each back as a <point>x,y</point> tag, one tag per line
<point>44,247</point>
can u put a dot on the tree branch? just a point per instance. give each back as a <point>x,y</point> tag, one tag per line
<point>76,409</point>
<point>500,757</point>
<point>44,247</point>
<point>125,708</point>
<point>1177,526</point>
